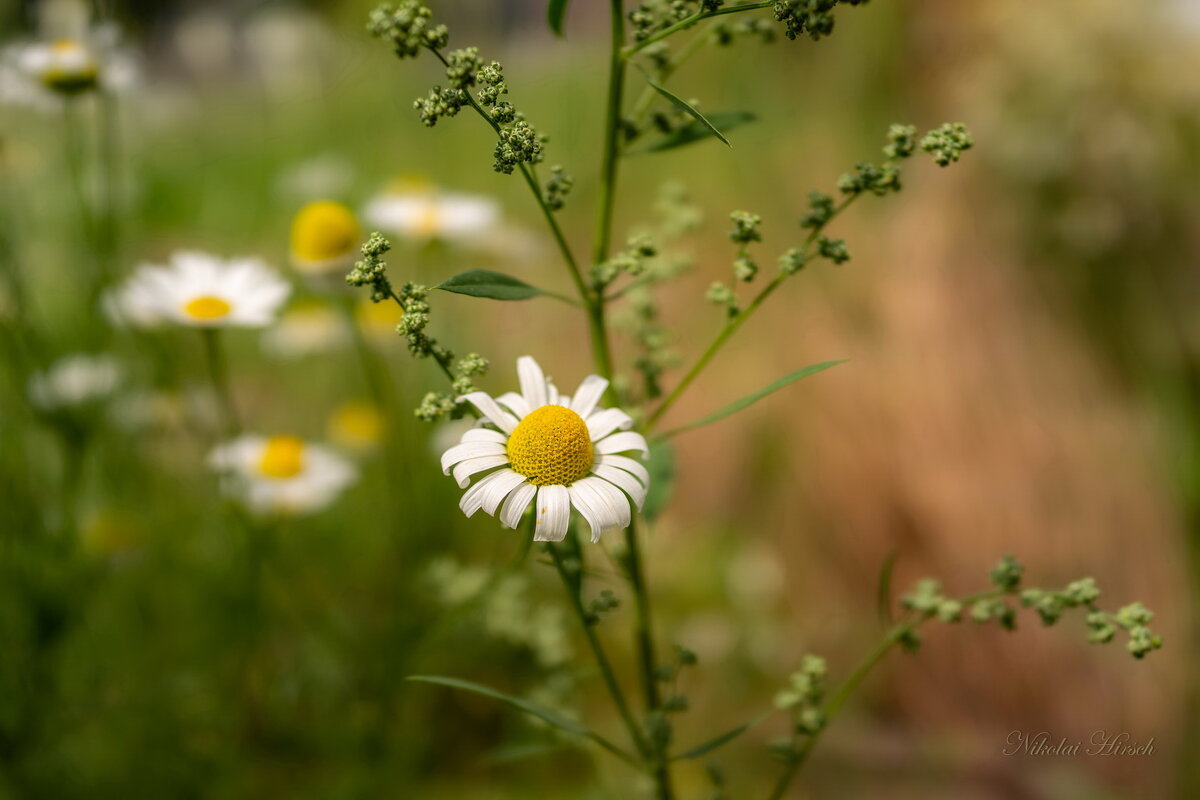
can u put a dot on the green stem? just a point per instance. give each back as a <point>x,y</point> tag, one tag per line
<point>840,695</point>
<point>683,24</point>
<point>572,582</point>
<point>737,320</point>
<point>218,373</point>
<point>443,363</point>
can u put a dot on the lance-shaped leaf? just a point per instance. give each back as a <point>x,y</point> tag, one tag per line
<point>555,14</point>
<point>493,285</point>
<point>727,736</point>
<point>687,107</point>
<point>695,131</point>
<point>751,399</point>
<point>547,715</point>
<point>661,467</point>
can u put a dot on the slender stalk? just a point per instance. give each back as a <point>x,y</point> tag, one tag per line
<point>843,692</point>
<point>688,22</point>
<point>573,584</point>
<point>218,373</point>
<point>736,321</point>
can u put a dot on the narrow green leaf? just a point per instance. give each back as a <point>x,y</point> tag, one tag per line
<point>751,399</point>
<point>533,709</point>
<point>550,716</point>
<point>492,285</point>
<point>883,590</point>
<point>555,15</point>
<point>728,736</point>
<point>687,107</point>
<point>696,132</point>
<point>661,467</point>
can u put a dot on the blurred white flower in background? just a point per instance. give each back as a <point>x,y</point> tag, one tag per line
<point>323,175</point>
<point>306,329</point>
<point>420,211</point>
<point>201,291</point>
<point>282,474</point>
<point>75,381</point>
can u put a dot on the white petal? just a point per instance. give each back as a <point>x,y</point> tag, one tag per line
<point>588,394</point>
<point>463,470</point>
<point>629,465</point>
<point>533,381</point>
<point>600,508</point>
<point>499,489</point>
<point>488,407</point>
<point>465,450</point>
<point>624,480</point>
<point>553,514</point>
<point>484,435</point>
<point>622,442</point>
<point>515,403</point>
<point>617,501</point>
<point>515,505</point>
<point>473,499</point>
<point>604,422</point>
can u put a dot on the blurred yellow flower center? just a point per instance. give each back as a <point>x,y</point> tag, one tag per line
<point>282,457</point>
<point>356,426</point>
<point>429,218</point>
<point>207,307</point>
<point>551,446</point>
<point>324,231</point>
<point>73,71</point>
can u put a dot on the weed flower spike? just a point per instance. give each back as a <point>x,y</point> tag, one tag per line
<point>558,451</point>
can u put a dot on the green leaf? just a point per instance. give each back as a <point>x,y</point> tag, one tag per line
<point>550,716</point>
<point>751,399</point>
<point>533,709</point>
<point>883,590</point>
<point>727,736</point>
<point>687,107</point>
<point>555,15</point>
<point>661,467</point>
<point>493,285</point>
<point>696,132</point>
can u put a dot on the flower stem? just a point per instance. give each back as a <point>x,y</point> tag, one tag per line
<point>572,582</point>
<point>840,695</point>
<point>737,320</point>
<point>688,22</point>
<point>218,373</point>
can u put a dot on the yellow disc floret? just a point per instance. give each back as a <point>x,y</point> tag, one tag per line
<point>207,307</point>
<point>324,233</point>
<point>71,68</point>
<point>551,446</point>
<point>282,457</point>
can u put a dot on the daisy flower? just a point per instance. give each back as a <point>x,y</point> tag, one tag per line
<point>282,474</point>
<point>75,381</point>
<point>325,238</point>
<point>422,212</point>
<point>200,291</point>
<point>306,329</point>
<point>35,73</point>
<point>555,450</point>
<point>356,427</point>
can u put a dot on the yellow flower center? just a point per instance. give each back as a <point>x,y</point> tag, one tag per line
<point>282,457</point>
<point>324,231</point>
<point>356,426</point>
<point>207,307</point>
<point>70,78</point>
<point>551,447</point>
<point>429,218</point>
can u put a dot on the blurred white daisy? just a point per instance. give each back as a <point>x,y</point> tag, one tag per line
<point>202,291</point>
<point>282,474</point>
<point>325,238</point>
<point>559,450</point>
<point>422,212</point>
<point>356,427</point>
<point>75,381</point>
<point>306,329</point>
<point>40,73</point>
